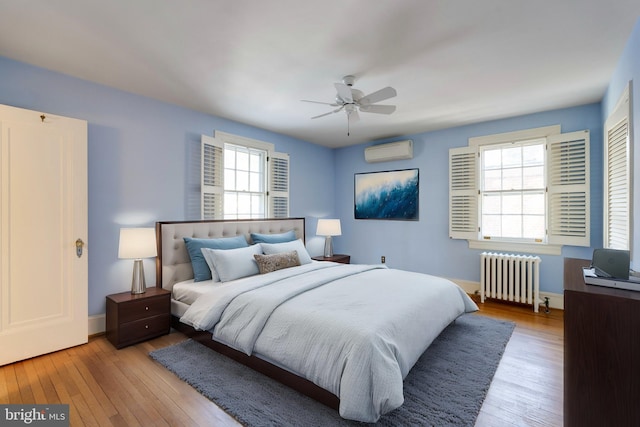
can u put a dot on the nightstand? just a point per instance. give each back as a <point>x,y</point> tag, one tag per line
<point>135,318</point>
<point>344,259</point>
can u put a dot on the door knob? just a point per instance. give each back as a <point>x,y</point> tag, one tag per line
<point>79,246</point>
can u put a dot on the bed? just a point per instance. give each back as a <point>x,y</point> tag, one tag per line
<point>345,335</point>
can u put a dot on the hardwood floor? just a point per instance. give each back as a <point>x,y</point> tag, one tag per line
<point>527,389</point>
<point>105,386</point>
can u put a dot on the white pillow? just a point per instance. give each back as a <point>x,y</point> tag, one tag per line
<point>296,245</point>
<point>206,254</point>
<point>231,264</point>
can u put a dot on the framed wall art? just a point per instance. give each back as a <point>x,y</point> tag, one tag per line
<point>389,195</point>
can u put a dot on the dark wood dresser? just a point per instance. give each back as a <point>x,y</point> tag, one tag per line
<point>601,352</point>
<point>135,318</point>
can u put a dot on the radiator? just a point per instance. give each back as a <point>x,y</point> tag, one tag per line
<point>510,278</point>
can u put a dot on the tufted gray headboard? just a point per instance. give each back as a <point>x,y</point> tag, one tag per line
<point>173,264</point>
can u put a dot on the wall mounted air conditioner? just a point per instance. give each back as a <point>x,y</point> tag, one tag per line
<point>398,150</point>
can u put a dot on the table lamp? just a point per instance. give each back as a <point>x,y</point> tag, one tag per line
<point>137,243</point>
<point>328,228</point>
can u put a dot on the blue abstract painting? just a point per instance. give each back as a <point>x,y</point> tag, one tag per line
<point>387,195</point>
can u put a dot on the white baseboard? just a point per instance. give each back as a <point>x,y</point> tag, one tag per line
<point>97,324</point>
<point>470,287</point>
<point>555,300</point>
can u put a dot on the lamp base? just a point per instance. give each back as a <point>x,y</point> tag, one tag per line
<point>328,247</point>
<point>138,285</point>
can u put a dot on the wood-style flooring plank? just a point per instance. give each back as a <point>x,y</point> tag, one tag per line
<point>86,369</point>
<point>60,385</point>
<point>24,385</point>
<point>86,400</point>
<point>39,395</point>
<point>11,384</point>
<point>4,389</point>
<point>166,411</point>
<point>113,378</point>
<point>44,376</point>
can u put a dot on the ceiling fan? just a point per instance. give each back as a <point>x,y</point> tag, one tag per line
<point>353,100</point>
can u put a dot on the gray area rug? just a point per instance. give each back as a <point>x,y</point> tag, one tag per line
<point>446,387</point>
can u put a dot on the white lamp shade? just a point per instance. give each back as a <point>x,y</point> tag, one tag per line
<point>329,227</point>
<point>136,243</point>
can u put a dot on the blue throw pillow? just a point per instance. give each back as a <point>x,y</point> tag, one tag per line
<point>289,236</point>
<point>201,270</point>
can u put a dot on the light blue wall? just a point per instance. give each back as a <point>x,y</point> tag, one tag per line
<point>144,164</point>
<point>424,245</point>
<point>628,70</point>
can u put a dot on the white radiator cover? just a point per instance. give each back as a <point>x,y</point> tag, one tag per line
<point>510,277</point>
<point>399,150</point>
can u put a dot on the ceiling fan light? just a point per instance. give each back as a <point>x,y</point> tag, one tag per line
<point>349,80</point>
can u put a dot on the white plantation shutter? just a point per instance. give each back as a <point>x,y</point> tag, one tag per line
<point>278,185</point>
<point>463,193</point>
<point>568,189</point>
<point>617,177</point>
<point>212,178</point>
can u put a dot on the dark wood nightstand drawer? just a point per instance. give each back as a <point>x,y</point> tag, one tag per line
<point>143,308</point>
<point>144,329</point>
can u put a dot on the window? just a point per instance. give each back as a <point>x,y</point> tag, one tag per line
<point>244,182</point>
<point>525,190</point>
<point>617,177</point>
<point>243,178</point>
<point>512,194</point>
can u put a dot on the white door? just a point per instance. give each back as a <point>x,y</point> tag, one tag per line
<point>43,212</point>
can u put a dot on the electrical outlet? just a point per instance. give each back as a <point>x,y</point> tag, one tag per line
<point>383,259</point>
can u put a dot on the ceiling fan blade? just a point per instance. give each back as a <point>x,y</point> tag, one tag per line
<point>379,109</point>
<point>379,95</point>
<point>329,113</point>
<point>333,104</point>
<point>344,92</point>
<point>322,115</point>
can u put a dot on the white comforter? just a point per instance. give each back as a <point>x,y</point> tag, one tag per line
<point>354,330</point>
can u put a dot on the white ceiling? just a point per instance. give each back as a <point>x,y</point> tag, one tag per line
<point>452,62</point>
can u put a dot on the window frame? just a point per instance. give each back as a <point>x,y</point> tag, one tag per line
<point>522,191</point>
<point>262,180</point>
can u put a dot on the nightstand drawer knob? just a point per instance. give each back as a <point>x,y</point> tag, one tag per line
<point>146,308</point>
<point>146,326</point>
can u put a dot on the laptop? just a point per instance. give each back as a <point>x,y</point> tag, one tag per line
<point>611,263</point>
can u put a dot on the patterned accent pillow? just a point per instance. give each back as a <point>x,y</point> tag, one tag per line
<point>269,263</point>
